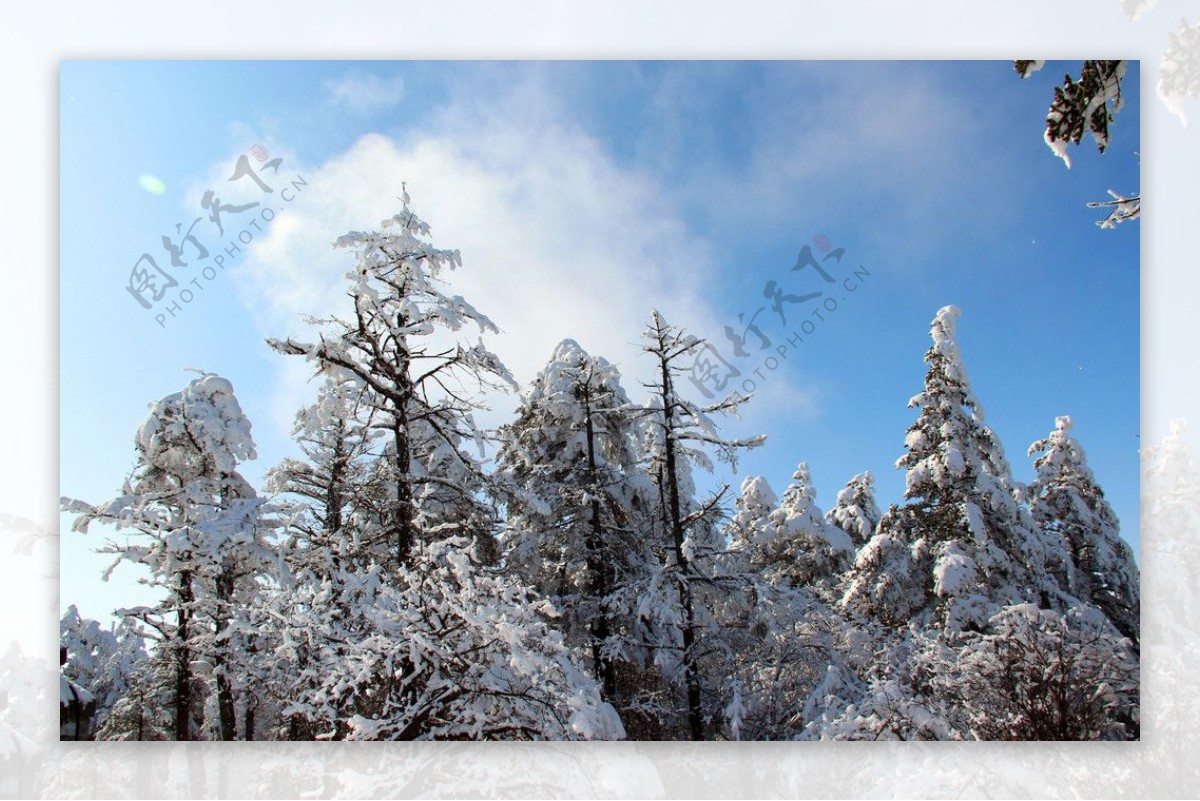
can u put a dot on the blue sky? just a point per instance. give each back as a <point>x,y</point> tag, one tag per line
<point>581,195</point>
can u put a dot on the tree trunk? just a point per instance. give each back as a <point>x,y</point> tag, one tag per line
<point>690,668</point>
<point>403,519</point>
<point>183,660</point>
<point>225,703</point>
<point>333,493</point>
<point>248,730</point>
<point>597,567</point>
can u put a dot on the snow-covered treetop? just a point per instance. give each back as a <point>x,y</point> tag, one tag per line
<point>756,494</point>
<point>398,296</point>
<point>787,539</point>
<point>200,430</point>
<point>943,331</point>
<point>405,260</point>
<point>799,516</point>
<point>559,381</point>
<point>856,511</point>
<point>1061,456</point>
<point>950,444</point>
<point>573,391</point>
<point>752,511</point>
<point>944,322</point>
<point>693,424</point>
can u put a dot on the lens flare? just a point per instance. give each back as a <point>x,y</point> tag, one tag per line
<point>152,185</point>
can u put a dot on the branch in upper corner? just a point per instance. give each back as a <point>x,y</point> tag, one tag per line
<point>1122,209</point>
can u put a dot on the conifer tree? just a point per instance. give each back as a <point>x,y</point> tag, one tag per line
<point>962,546</point>
<point>428,638</point>
<point>99,660</point>
<point>399,345</point>
<point>680,432</point>
<point>1066,501</point>
<point>195,526</point>
<point>578,505</point>
<point>856,512</point>
<point>780,626</point>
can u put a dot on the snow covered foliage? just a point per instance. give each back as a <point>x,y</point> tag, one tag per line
<point>794,543</point>
<point>1087,106</point>
<point>397,619</point>
<point>1081,107</point>
<point>779,652</point>
<point>1028,674</point>
<point>681,434</point>
<point>1027,68</point>
<point>441,649</point>
<point>566,577</point>
<point>1068,505</point>
<point>779,631</point>
<point>1037,674</point>
<point>336,487</point>
<point>1120,209</point>
<point>751,519</point>
<point>99,661</point>
<point>580,509</point>
<point>856,512</point>
<point>979,624</point>
<point>401,346</point>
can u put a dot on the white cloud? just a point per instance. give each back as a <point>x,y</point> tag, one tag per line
<point>558,238</point>
<point>365,93</point>
<point>557,241</point>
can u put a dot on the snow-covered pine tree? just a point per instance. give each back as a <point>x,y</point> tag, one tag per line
<point>969,584</point>
<point>398,344</point>
<point>578,507</point>
<point>799,546</point>
<point>334,501</point>
<point>856,511</point>
<point>194,525</point>
<point>428,639</point>
<point>679,435</point>
<point>1066,501</point>
<point>141,712</point>
<point>962,546</point>
<point>335,485</point>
